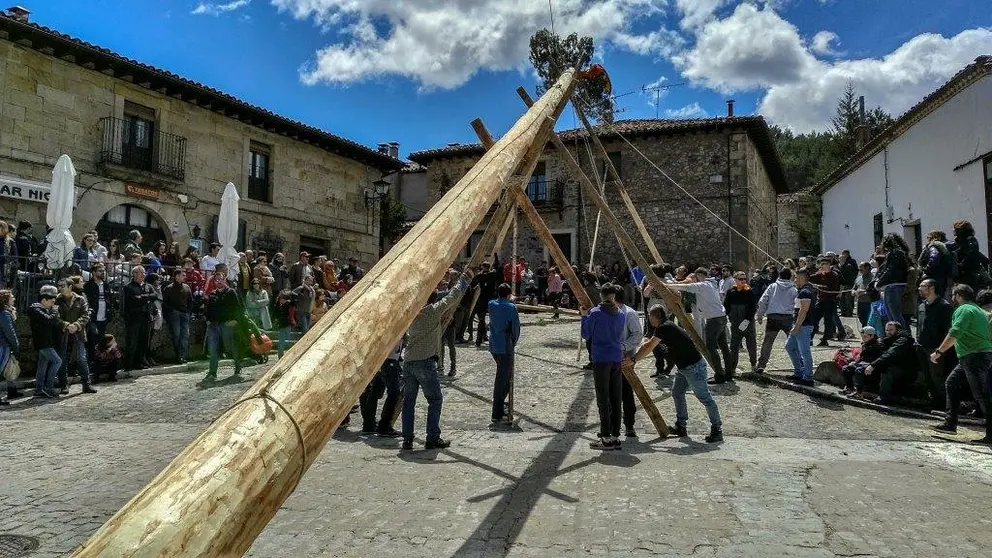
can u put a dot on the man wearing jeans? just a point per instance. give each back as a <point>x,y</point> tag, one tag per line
<point>46,326</point>
<point>678,347</point>
<point>972,341</point>
<point>802,331</point>
<point>75,314</point>
<point>420,370</point>
<point>177,301</point>
<point>709,307</point>
<point>504,332</point>
<point>222,313</point>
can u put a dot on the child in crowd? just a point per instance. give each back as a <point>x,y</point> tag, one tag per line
<point>106,359</point>
<point>854,373</point>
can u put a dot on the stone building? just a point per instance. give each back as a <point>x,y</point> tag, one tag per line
<point>798,224</point>
<point>153,152</point>
<point>728,164</point>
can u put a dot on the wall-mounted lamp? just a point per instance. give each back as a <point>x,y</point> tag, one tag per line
<point>378,191</point>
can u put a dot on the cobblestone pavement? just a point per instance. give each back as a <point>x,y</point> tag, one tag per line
<point>796,476</point>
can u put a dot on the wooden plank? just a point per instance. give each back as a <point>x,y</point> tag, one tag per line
<point>638,222</point>
<point>672,298</point>
<point>220,492</point>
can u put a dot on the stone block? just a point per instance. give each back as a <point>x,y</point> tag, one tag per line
<point>828,372</point>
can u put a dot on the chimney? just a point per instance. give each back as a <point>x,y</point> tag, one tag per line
<point>19,13</point>
<point>730,108</point>
<point>862,134</point>
<point>384,148</point>
<point>394,149</point>
<point>861,108</point>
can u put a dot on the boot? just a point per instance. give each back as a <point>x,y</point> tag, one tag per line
<point>716,435</point>
<point>88,389</point>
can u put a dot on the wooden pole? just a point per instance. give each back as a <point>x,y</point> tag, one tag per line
<point>220,492</point>
<point>612,170</point>
<point>580,293</point>
<point>672,298</point>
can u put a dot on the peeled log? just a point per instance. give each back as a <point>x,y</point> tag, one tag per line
<point>220,492</point>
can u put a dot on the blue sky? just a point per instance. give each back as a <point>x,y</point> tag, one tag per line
<point>418,71</point>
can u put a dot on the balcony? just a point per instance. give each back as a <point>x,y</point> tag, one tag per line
<point>546,194</point>
<point>132,143</point>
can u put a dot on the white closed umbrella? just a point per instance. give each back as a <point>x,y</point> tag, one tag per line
<point>227,229</point>
<point>58,252</point>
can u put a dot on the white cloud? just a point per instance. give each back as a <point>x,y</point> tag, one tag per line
<point>754,49</point>
<point>443,43</point>
<point>214,9</point>
<point>696,13</point>
<point>822,43</point>
<point>689,111</point>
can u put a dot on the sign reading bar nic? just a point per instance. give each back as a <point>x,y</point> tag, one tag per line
<point>27,190</point>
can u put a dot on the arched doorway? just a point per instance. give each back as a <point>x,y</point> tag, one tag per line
<point>124,218</point>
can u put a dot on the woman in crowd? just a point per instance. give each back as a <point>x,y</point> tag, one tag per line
<point>892,276</point>
<point>85,253</point>
<point>8,253</point>
<point>972,265</point>
<point>263,274</point>
<point>861,291</point>
<point>9,345</point>
<point>172,258</point>
<point>329,276</point>
<point>257,305</point>
<point>244,273</point>
<point>192,254</point>
<point>320,306</point>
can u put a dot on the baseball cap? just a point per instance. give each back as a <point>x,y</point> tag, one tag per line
<point>49,291</point>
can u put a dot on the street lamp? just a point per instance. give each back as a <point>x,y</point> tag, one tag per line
<point>378,191</point>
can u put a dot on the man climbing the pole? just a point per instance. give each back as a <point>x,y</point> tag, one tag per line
<point>603,327</point>
<point>420,370</point>
<point>503,336</point>
<point>678,346</point>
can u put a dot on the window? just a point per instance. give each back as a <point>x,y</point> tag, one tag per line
<point>537,188</point>
<point>878,228</point>
<point>139,129</point>
<point>259,187</point>
<point>616,160</point>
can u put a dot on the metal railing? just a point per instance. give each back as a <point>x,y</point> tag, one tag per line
<point>136,145</point>
<point>544,193</point>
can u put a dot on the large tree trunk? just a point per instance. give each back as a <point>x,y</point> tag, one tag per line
<point>221,491</point>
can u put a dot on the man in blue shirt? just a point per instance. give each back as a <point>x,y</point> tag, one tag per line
<point>604,327</point>
<point>802,331</point>
<point>504,332</point>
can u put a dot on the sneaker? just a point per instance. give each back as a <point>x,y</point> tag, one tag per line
<point>88,389</point>
<point>631,433</point>
<point>716,435</point>
<point>678,431</point>
<point>823,343</point>
<point>451,373</point>
<point>846,391</point>
<point>804,382</point>
<point>407,445</point>
<point>439,443</point>
<point>588,366</point>
<point>602,444</point>
<point>759,370</point>
<point>391,433</point>
<point>210,378</point>
<point>946,427</point>
<point>715,381</point>
<point>615,443</point>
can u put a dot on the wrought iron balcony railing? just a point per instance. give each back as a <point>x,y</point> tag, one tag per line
<point>133,143</point>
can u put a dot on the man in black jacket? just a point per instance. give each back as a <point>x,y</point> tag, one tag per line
<point>138,298</point>
<point>896,368</point>
<point>934,323</point>
<point>177,303</point>
<point>46,328</point>
<point>26,247</point>
<point>487,280</point>
<point>848,270</point>
<point>223,312</point>
<point>741,303</point>
<point>100,302</point>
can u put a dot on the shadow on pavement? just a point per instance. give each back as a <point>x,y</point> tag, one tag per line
<point>690,447</point>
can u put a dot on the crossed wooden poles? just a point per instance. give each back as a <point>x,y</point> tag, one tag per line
<point>218,494</point>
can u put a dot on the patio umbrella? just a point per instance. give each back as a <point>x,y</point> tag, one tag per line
<point>227,229</point>
<point>58,252</point>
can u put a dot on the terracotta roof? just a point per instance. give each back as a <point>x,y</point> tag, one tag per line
<point>99,59</point>
<point>970,74</point>
<point>756,127</point>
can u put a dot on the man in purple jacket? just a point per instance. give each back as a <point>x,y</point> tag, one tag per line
<point>604,327</point>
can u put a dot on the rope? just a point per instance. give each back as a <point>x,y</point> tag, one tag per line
<point>264,395</point>
<point>616,131</point>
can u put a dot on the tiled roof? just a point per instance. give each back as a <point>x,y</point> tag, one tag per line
<point>96,58</point>
<point>754,125</point>
<point>981,67</point>
<point>413,167</point>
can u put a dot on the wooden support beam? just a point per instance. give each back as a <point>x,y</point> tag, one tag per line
<point>672,298</point>
<point>578,290</point>
<point>220,492</point>
<point>638,222</point>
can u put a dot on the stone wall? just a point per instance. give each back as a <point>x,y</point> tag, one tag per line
<point>795,208</point>
<point>683,231</point>
<point>50,107</point>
